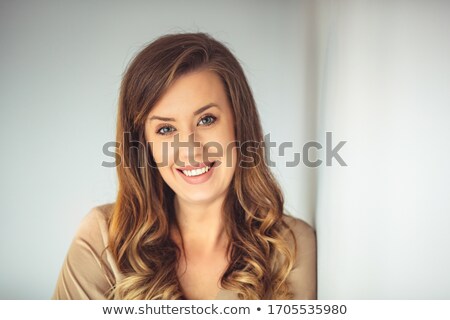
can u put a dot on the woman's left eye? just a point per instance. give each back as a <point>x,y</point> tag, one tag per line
<point>207,120</point>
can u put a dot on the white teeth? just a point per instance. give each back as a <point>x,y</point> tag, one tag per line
<point>196,172</point>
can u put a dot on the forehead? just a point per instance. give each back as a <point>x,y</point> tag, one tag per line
<point>189,92</point>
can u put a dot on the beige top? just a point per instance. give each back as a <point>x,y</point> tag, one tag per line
<point>87,274</point>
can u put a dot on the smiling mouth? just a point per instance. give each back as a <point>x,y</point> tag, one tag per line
<point>199,171</point>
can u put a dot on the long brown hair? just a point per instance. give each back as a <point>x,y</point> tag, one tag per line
<point>143,213</point>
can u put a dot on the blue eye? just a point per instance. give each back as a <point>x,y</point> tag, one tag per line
<point>207,120</point>
<point>165,130</point>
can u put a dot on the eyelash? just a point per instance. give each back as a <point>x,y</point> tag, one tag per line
<point>214,119</point>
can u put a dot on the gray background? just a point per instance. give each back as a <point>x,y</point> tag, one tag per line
<point>375,73</point>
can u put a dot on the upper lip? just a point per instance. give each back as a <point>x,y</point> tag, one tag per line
<point>200,166</point>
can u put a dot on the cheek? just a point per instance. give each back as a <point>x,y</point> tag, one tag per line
<point>157,151</point>
<point>232,158</point>
<point>164,159</point>
<point>162,153</point>
<point>229,153</point>
<point>226,139</point>
<point>230,143</point>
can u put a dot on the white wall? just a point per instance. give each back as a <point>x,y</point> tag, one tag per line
<point>60,70</point>
<point>374,73</point>
<point>383,221</point>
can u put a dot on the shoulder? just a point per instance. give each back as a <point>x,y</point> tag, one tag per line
<point>98,215</point>
<point>92,235</point>
<point>95,221</point>
<point>300,236</point>
<point>300,228</point>
<point>89,269</point>
<point>303,276</point>
<point>93,232</point>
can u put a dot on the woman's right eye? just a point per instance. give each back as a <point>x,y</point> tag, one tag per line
<point>165,130</point>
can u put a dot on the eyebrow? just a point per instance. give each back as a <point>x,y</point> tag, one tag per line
<point>197,112</point>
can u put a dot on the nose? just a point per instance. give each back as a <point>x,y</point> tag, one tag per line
<point>187,150</point>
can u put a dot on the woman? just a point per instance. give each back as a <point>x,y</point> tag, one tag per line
<point>198,213</point>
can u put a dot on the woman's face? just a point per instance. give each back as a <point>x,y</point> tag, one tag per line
<point>191,131</point>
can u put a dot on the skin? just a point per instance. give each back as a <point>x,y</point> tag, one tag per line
<point>198,207</point>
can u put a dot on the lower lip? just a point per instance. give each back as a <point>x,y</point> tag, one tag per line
<point>198,179</point>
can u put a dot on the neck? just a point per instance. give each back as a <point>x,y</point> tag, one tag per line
<point>201,224</point>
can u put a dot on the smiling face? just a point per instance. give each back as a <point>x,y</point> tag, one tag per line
<point>191,131</point>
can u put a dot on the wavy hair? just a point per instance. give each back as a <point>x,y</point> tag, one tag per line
<point>139,236</point>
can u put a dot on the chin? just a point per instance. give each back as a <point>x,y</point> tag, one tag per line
<point>201,197</point>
